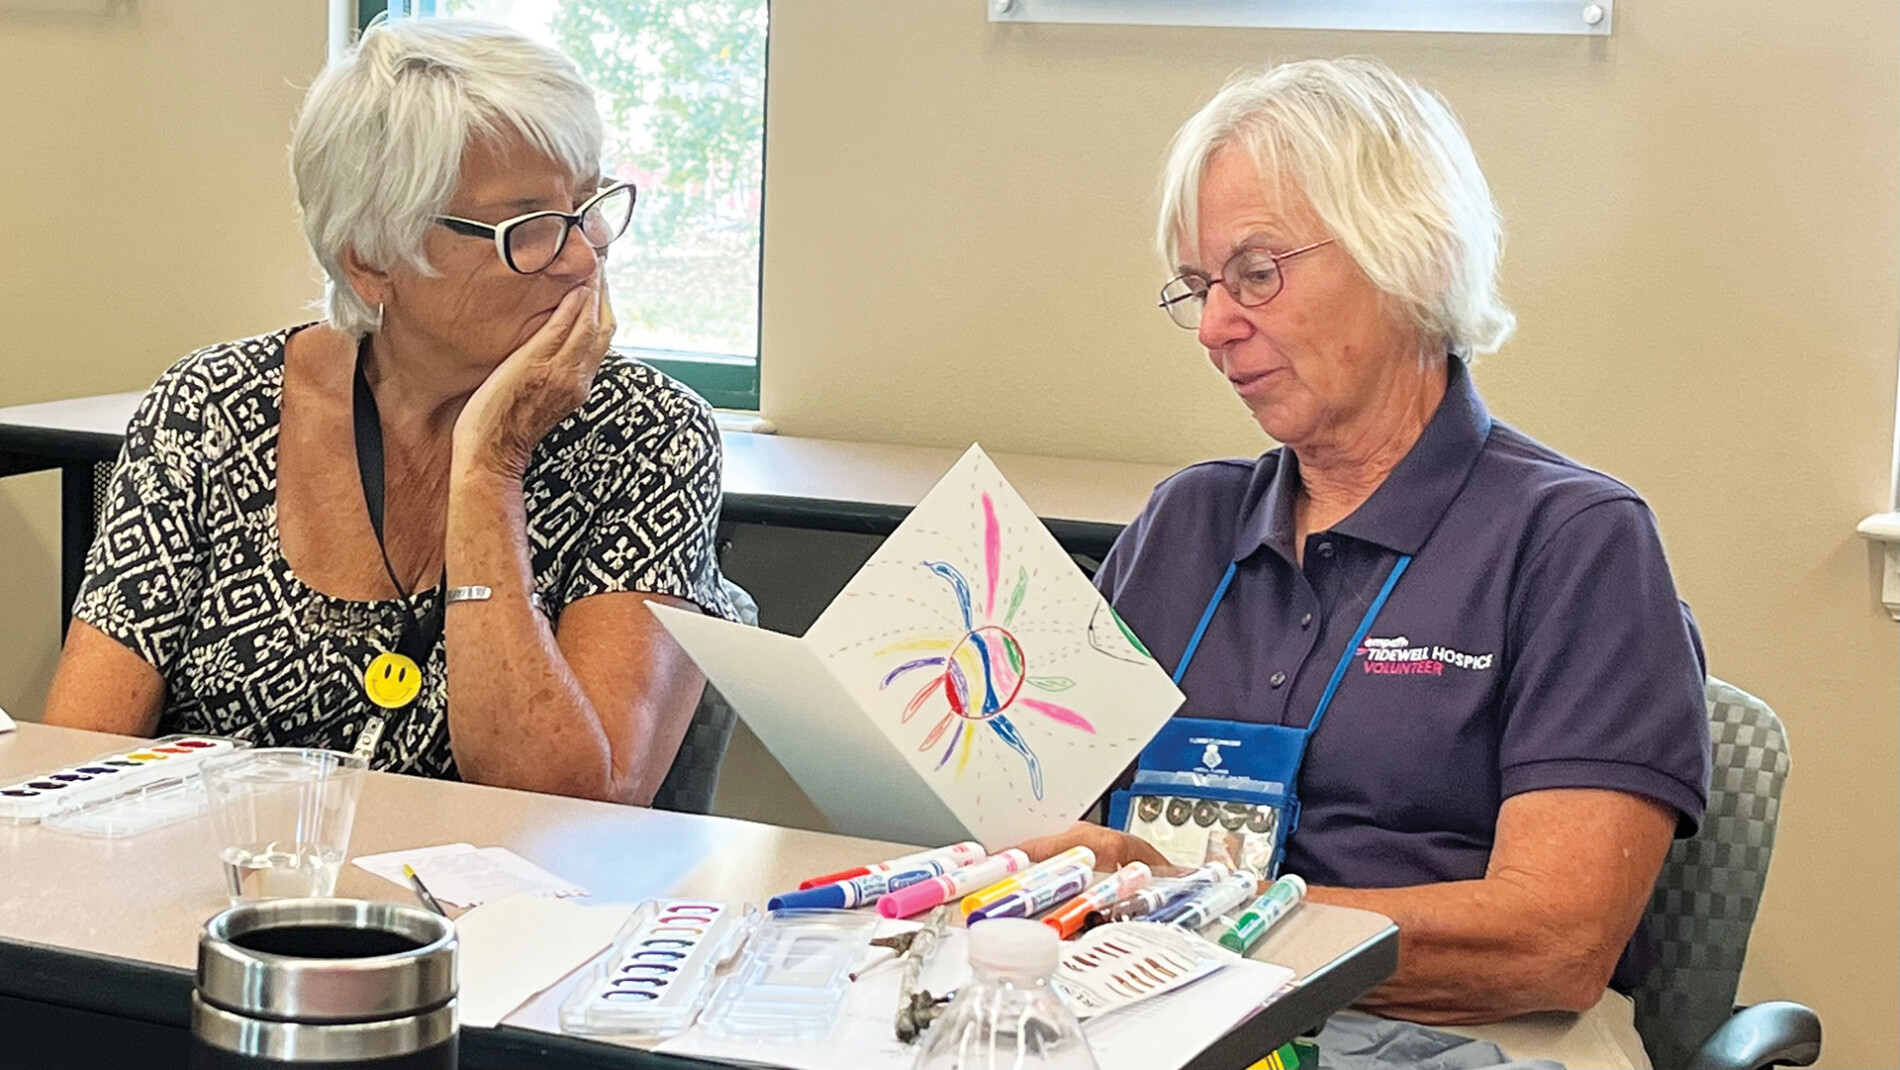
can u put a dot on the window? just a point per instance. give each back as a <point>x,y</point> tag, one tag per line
<point>682,87</point>
<point>1464,16</point>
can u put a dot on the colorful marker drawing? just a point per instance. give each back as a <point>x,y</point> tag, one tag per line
<point>982,675</point>
<point>968,683</point>
<point>1108,634</point>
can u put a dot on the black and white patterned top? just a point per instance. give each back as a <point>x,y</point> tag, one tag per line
<point>187,570</point>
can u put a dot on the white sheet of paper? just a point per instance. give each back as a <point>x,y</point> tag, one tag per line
<point>805,718</point>
<point>969,646</point>
<point>466,875</point>
<point>1159,1034</point>
<point>6,723</point>
<point>513,948</point>
<point>1165,1032</point>
<point>389,865</point>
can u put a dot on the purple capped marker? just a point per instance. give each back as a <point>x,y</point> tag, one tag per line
<point>1037,896</point>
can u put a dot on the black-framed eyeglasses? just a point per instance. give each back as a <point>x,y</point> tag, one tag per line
<point>1253,275</point>
<point>529,243</point>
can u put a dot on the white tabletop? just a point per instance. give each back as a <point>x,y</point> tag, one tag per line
<point>145,897</point>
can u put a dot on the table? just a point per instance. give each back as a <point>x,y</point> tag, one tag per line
<point>98,937</point>
<point>778,480</point>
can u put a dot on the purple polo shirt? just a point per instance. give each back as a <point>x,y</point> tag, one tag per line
<point>1536,641</point>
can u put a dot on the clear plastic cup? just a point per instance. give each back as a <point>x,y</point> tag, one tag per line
<point>282,817</point>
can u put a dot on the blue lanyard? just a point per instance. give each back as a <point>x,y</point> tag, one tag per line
<point>1345,659</point>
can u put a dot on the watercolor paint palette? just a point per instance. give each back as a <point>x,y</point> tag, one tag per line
<point>108,776</point>
<point>1121,963</point>
<point>660,970</point>
<point>792,980</point>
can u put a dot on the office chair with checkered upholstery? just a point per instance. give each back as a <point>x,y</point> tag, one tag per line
<point>1704,906</point>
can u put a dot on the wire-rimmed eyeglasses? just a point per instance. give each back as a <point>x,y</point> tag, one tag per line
<point>529,243</point>
<point>1253,276</point>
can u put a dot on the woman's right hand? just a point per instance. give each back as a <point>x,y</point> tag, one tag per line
<point>1113,849</point>
<point>539,384</point>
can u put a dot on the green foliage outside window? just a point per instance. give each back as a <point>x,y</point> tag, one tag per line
<point>682,88</point>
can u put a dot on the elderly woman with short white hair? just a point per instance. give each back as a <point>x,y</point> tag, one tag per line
<point>425,529</point>
<point>1512,693</point>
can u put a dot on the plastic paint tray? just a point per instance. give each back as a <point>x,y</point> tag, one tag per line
<point>133,809</point>
<point>108,776</point>
<point>792,980</point>
<point>659,972</point>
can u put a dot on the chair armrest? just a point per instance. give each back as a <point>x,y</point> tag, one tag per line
<point>1767,1034</point>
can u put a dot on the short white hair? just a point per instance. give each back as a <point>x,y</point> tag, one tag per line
<point>1386,167</point>
<point>378,147</point>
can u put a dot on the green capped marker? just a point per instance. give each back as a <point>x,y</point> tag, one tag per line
<point>1273,904</point>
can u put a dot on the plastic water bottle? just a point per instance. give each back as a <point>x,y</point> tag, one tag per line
<point>1011,1017</point>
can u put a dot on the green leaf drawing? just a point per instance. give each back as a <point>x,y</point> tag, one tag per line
<point>1016,597</point>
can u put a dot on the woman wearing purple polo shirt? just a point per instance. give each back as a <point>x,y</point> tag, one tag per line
<point>1518,729</point>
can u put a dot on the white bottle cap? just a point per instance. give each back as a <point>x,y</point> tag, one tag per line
<point>1014,947</point>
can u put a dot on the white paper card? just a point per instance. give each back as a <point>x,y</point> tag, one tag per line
<point>466,875</point>
<point>969,682</point>
<point>512,948</point>
<point>6,723</point>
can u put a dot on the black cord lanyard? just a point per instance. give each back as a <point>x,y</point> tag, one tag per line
<point>420,632</point>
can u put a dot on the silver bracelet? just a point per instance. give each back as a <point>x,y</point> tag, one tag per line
<point>478,593</point>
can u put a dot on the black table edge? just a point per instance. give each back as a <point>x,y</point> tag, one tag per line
<point>1089,537</point>
<point>161,995</point>
<point>1305,1009</point>
<point>59,446</point>
<point>26,449</point>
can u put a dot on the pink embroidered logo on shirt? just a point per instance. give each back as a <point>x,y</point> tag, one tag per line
<point>1396,656</point>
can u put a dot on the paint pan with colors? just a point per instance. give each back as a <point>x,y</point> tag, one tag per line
<point>107,776</point>
<point>660,970</point>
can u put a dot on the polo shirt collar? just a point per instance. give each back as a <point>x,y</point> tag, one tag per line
<point>1402,512</point>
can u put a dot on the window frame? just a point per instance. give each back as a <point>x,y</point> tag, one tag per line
<point>725,381</point>
<point>1573,17</point>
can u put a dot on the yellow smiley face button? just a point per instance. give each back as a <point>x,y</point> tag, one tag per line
<point>392,681</point>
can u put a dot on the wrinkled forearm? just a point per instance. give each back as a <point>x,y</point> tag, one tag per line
<point>1479,951</point>
<point>517,715</point>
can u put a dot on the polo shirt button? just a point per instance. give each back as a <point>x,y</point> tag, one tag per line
<point>1277,679</point>
<point>1306,620</point>
<point>1325,549</point>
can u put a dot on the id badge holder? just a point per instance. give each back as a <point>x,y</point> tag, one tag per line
<point>1215,791</point>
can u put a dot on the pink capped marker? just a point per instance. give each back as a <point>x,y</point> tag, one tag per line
<point>937,891</point>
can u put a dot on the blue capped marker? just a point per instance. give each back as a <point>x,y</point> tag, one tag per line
<point>858,890</point>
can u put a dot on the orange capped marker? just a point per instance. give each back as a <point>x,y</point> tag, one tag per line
<point>1067,919</point>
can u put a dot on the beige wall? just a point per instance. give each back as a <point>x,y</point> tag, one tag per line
<point>1705,230</point>
<point>145,210</point>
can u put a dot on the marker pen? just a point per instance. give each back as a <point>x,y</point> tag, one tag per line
<point>843,895</point>
<point>964,854</point>
<point>1212,902</point>
<point>1174,907</point>
<point>1275,903</point>
<point>1160,895</point>
<point>939,890</point>
<point>1037,896</point>
<point>984,897</point>
<point>1068,918</point>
